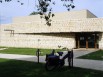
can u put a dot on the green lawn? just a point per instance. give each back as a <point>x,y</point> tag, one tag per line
<point>2,47</point>
<point>14,68</point>
<point>98,55</point>
<point>25,51</point>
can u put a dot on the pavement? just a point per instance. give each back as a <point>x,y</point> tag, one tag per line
<point>3,48</point>
<point>82,63</point>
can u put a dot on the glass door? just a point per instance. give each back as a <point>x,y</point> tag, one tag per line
<point>91,41</point>
<point>82,41</point>
<point>87,40</point>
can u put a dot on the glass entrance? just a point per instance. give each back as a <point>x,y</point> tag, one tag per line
<point>91,41</point>
<point>82,41</point>
<point>86,40</point>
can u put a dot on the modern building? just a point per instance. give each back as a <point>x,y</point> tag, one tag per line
<point>74,29</point>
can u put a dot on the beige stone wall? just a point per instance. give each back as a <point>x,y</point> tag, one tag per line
<point>51,41</point>
<point>72,25</point>
<point>100,41</point>
<point>90,15</point>
<point>28,32</point>
<point>82,14</point>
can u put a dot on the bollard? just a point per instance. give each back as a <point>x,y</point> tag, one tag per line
<point>70,58</point>
<point>37,54</point>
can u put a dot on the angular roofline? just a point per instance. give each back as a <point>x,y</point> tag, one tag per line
<point>91,12</point>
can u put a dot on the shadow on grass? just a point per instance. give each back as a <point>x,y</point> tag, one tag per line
<point>13,68</point>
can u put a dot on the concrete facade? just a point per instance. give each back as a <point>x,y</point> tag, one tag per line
<point>31,31</point>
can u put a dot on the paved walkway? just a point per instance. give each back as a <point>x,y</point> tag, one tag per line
<point>3,48</point>
<point>83,63</point>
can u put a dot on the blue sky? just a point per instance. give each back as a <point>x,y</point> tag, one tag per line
<point>14,9</point>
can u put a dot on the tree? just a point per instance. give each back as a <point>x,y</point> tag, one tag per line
<point>44,8</point>
<point>34,13</point>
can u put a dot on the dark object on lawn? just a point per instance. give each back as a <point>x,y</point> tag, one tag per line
<point>38,54</point>
<point>53,61</point>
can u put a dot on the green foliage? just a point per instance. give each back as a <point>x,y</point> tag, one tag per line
<point>46,11</point>
<point>34,13</point>
<point>1,1</point>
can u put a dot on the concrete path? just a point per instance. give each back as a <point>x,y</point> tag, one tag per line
<point>89,64</point>
<point>81,52</point>
<point>3,48</point>
<point>22,57</point>
<point>83,63</point>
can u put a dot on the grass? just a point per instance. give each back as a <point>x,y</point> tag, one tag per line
<point>25,51</point>
<point>2,47</point>
<point>98,55</point>
<point>14,68</point>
